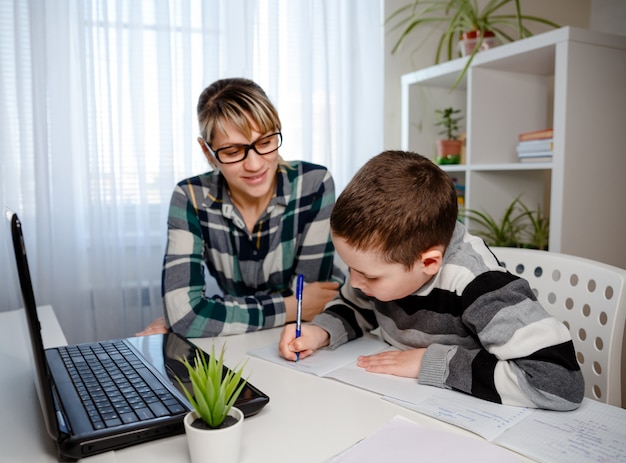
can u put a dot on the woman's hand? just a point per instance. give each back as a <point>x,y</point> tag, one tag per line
<point>407,363</point>
<point>311,338</point>
<point>156,327</point>
<point>315,296</point>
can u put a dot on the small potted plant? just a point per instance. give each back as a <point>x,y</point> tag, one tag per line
<point>448,148</point>
<point>214,427</point>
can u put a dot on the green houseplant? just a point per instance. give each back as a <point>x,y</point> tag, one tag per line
<point>453,18</point>
<point>538,231</point>
<point>518,227</point>
<point>449,147</point>
<point>213,429</point>
<point>506,232</point>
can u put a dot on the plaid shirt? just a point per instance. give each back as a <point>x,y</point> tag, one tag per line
<point>255,271</point>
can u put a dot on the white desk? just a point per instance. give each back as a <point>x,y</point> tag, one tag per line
<point>308,419</point>
<point>23,436</point>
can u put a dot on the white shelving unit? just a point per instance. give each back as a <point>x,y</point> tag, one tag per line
<point>570,79</point>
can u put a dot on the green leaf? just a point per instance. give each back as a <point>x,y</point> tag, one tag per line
<point>214,392</point>
<point>507,231</point>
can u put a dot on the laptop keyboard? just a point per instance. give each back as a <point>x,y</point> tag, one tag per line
<point>115,386</point>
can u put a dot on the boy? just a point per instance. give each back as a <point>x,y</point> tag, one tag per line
<point>437,293</point>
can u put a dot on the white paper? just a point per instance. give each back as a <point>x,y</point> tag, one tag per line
<point>401,388</point>
<point>402,440</point>
<point>323,361</point>
<point>595,432</point>
<point>487,419</point>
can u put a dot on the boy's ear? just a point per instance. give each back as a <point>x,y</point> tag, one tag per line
<point>431,260</point>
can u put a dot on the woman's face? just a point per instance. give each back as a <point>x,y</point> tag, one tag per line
<point>253,178</point>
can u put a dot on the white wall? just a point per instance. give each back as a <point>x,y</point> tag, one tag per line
<point>608,16</point>
<point>601,15</point>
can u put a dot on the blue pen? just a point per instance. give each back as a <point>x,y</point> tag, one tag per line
<point>299,286</point>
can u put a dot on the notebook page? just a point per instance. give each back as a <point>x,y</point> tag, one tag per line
<point>323,361</point>
<point>401,388</point>
<point>487,419</point>
<point>595,432</point>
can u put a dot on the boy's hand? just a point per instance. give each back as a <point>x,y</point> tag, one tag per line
<point>311,338</point>
<point>407,363</point>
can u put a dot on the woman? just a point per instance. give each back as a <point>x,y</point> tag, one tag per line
<point>255,221</point>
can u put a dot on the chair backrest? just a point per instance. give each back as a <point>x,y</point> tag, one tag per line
<point>589,297</point>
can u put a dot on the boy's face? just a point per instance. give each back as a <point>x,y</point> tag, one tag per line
<point>380,279</point>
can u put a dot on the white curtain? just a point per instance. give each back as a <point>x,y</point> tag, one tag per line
<point>97,124</point>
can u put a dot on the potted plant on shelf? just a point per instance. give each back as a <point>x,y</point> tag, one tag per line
<point>483,27</point>
<point>448,148</point>
<point>506,232</point>
<point>519,227</point>
<point>214,427</point>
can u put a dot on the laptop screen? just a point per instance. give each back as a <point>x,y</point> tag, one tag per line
<point>42,379</point>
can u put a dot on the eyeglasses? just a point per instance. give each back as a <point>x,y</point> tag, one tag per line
<point>237,153</point>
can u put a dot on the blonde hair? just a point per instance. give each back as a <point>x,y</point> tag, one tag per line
<point>239,101</point>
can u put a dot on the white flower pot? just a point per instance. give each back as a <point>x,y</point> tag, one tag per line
<point>214,445</point>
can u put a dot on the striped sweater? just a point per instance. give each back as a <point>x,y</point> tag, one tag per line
<point>484,332</point>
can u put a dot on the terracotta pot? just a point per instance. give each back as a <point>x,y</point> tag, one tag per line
<point>449,151</point>
<point>469,41</point>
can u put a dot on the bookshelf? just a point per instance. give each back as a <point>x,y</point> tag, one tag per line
<point>569,79</point>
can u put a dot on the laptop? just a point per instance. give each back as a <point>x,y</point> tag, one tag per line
<point>108,395</point>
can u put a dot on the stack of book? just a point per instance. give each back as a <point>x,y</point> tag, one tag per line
<point>535,146</point>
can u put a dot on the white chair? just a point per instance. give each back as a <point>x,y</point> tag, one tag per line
<point>589,297</point>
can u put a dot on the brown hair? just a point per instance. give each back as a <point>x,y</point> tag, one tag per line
<point>400,204</point>
<point>240,101</point>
